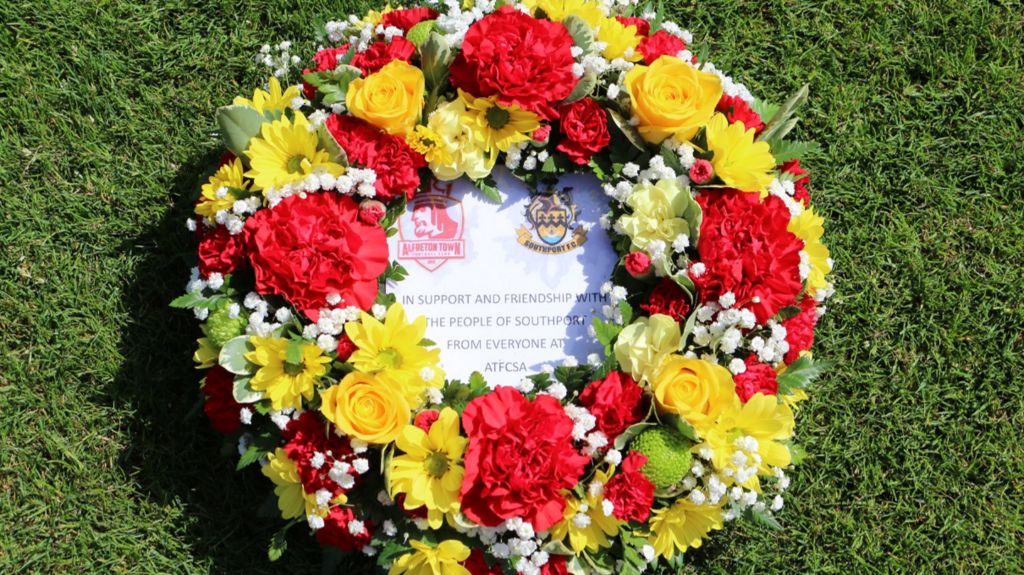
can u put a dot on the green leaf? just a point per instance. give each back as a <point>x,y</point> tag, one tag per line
<point>800,374</point>
<point>783,121</point>
<point>797,453</point>
<point>328,143</point>
<point>605,331</point>
<point>626,310</point>
<point>293,351</point>
<point>680,425</point>
<point>477,383</point>
<point>785,151</point>
<point>435,56</point>
<point>672,159</point>
<point>630,432</point>
<point>762,518</point>
<point>278,544</point>
<point>238,125</point>
<point>232,356</point>
<point>241,391</point>
<point>392,550</point>
<point>630,132</point>
<point>196,299</point>
<point>419,33</point>
<point>583,88</point>
<point>488,188</point>
<point>252,455</point>
<point>580,31</point>
<point>427,343</point>
<point>765,109</point>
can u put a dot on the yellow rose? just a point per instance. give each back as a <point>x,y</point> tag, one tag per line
<point>671,97</point>
<point>391,99</point>
<point>642,345</point>
<point>367,407</point>
<point>693,389</point>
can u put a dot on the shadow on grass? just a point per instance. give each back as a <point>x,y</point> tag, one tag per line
<point>175,456</point>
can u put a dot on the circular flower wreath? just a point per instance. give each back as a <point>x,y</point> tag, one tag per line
<point>687,421</point>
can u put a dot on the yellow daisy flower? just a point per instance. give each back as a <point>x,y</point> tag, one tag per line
<point>681,526</point>
<point>809,227</point>
<point>584,520</point>
<point>558,10</point>
<point>217,193</point>
<point>499,126</point>
<point>206,354</point>
<point>763,418</point>
<point>273,101</point>
<point>429,472</point>
<point>445,559</point>
<point>292,499</point>
<point>285,152</point>
<point>621,40</point>
<point>392,350</point>
<point>287,371</point>
<point>739,161</point>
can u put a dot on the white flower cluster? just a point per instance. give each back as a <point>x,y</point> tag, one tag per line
<point>261,310</point>
<point>359,181</point>
<point>615,294</point>
<point>278,58</point>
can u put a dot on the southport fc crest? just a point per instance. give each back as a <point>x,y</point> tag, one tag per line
<point>551,226</point>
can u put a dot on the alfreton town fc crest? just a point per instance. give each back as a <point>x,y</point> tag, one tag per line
<point>552,217</point>
<point>430,231</point>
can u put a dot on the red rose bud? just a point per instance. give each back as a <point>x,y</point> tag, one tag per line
<point>371,212</point>
<point>541,134</point>
<point>701,172</point>
<point>425,419</point>
<point>345,348</point>
<point>638,264</point>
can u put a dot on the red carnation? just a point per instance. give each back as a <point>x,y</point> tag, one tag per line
<point>556,565</point>
<point>220,405</point>
<point>541,134</point>
<point>306,249</point>
<point>371,212</point>
<point>426,418</point>
<point>669,299</point>
<point>519,460</point>
<point>525,61</point>
<point>476,564</point>
<point>800,186</point>
<point>308,435</point>
<point>616,402</point>
<point>758,378</point>
<point>407,18</point>
<point>345,347</point>
<point>219,250</point>
<point>630,491</point>
<point>747,250</point>
<point>643,27</point>
<point>335,531</point>
<point>585,127</point>
<point>800,329</point>
<point>380,54</point>
<point>661,43</point>
<point>737,110</point>
<point>701,171</point>
<point>394,161</point>
<point>638,264</point>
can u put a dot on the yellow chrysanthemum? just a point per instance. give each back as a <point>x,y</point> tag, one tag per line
<point>809,227</point>
<point>284,379</point>
<point>499,126</point>
<point>285,152</point>
<point>206,354</point>
<point>584,520</point>
<point>273,101</point>
<point>681,526</point>
<point>558,10</point>
<point>739,161</point>
<point>292,499</point>
<point>621,40</point>
<point>763,418</point>
<point>429,472</point>
<point>428,142</point>
<point>218,192</point>
<point>445,559</point>
<point>392,350</point>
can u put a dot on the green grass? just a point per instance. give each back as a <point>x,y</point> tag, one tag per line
<point>915,465</point>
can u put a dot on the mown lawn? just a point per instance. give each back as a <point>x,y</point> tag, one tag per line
<point>916,462</point>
